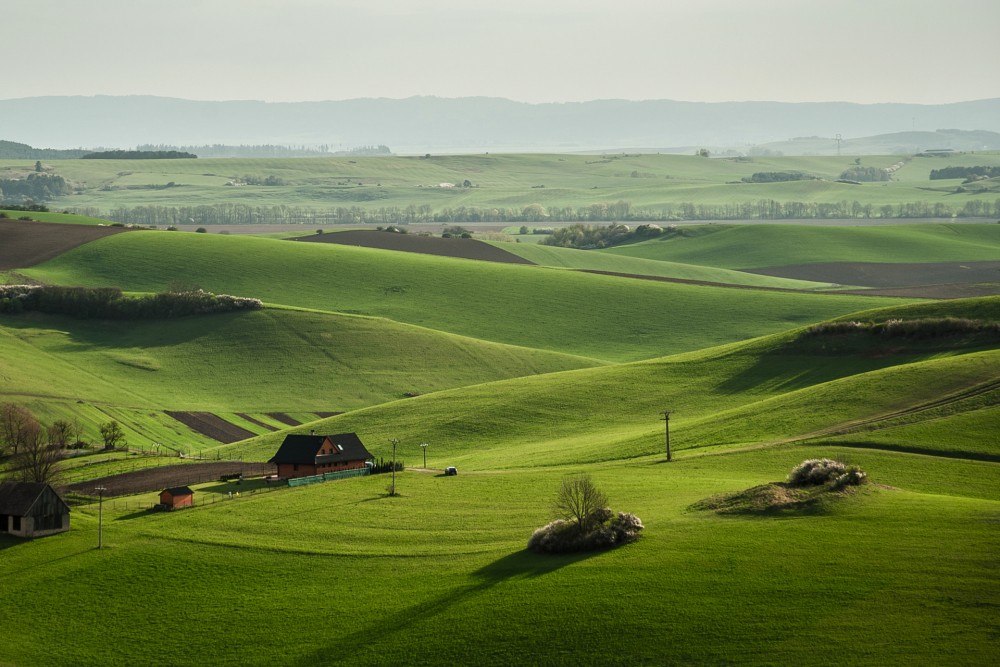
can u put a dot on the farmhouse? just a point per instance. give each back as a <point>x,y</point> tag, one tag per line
<point>304,455</point>
<point>177,497</point>
<point>31,509</point>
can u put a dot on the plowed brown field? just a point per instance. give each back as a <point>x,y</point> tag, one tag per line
<point>25,243</point>
<point>428,245</point>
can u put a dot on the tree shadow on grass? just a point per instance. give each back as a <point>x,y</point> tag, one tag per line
<point>519,565</point>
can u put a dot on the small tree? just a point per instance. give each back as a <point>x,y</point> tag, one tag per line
<point>62,434</point>
<point>112,434</point>
<point>580,501</point>
<point>37,460</point>
<point>17,426</point>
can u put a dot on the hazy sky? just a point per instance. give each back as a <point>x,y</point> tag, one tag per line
<point>920,51</point>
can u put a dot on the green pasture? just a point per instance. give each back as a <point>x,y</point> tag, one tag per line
<point>733,396</point>
<point>506,181</point>
<point>758,246</point>
<point>600,317</point>
<point>63,218</point>
<point>570,258</point>
<point>901,571</point>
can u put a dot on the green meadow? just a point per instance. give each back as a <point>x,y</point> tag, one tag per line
<point>647,181</point>
<point>520,376</point>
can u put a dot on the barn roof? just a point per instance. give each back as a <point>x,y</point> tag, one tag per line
<point>17,498</point>
<point>304,448</point>
<point>178,491</point>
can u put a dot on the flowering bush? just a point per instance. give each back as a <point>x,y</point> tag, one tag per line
<point>605,530</point>
<point>813,472</point>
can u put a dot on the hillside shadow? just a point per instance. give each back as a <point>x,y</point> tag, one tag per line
<point>521,564</point>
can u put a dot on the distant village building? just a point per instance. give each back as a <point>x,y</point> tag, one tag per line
<point>31,509</point>
<point>305,455</point>
<point>177,497</point>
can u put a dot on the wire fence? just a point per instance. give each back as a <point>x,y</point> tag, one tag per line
<point>198,500</point>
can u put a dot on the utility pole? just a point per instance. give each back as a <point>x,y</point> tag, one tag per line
<point>100,516</point>
<point>423,446</point>
<point>392,489</point>
<point>839,139</point>
<point>666,422</point>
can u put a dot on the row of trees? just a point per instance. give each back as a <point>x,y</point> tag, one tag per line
<point>866,174</point>
<point>138,155</point>
<point>33,451</point>
<point>621,211</point>
<point>110,303</point>
<point>964,172</point>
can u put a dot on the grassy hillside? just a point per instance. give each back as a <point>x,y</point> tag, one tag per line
<point>594,316</point>
<point>756,246</point>
<point>570,258</point>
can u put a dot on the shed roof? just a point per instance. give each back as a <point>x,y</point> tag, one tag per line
<point>17,498</point>
<point>299,448</point>
<point>178,491</point>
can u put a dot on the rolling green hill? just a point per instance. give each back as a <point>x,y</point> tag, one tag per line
<point>754,246</point>
<point>600,317</point>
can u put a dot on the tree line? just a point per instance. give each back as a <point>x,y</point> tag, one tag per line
<point>964,172</point>
<point>138,155</point>
<point>110,303</point>
<point>757,209</point>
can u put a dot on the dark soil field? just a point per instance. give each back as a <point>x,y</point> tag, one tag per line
<point>25,243</point>
<point>164,477</point>
<point>212,426</point>
<point>428,245</point>
<point>283,418</point>
<point>257,422</point>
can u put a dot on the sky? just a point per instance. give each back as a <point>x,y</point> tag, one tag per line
<point>865,51</point>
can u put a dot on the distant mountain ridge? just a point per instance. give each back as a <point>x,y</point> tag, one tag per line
<point>470,124</point>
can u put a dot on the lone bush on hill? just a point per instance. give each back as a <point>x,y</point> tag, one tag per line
<point>586,524</point>
<point>813,472</point>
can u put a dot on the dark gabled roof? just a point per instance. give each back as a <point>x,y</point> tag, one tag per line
<point>178,491</point>
<point>17,498</point>
<point>304,448</point>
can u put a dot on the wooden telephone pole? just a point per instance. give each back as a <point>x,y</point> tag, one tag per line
<point>666,422</point>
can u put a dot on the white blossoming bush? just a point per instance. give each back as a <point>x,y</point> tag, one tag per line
<point>813,472</point>
<point>605,530</point>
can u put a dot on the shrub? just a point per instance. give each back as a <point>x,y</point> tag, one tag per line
<point>587,522</point>
<point>813,472</point>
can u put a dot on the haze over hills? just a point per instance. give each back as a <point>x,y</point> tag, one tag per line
<point>474,124</point>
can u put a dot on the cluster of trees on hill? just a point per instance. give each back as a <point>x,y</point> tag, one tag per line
<point>269,150</point>
<point>964,172</point>
<point>866,174</point>
<point>110,303</point>
<point>34,187</point>
<point>138,155</point>
<point>758,209</point>
<point>588,237</point>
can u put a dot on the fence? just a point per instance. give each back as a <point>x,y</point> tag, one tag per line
<point>327,476</point>
<point>200,499</point>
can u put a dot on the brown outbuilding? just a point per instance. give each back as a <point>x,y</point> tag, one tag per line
<point>177,497</point>
<point>31,509</point>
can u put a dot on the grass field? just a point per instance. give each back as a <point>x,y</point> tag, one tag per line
<point>652,182</point>
<point>526,374</point>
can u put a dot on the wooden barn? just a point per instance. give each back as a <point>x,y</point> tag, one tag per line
<point>177,497</point>
<point>305,455</point>
<point>31,509</point>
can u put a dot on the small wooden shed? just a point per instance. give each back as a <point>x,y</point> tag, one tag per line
<point>31,509</point>
<point>177,497</point>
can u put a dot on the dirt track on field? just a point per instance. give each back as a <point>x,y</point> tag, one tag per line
<point>427,245</point>
<point>25,243</point>
<point>165,477</point>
